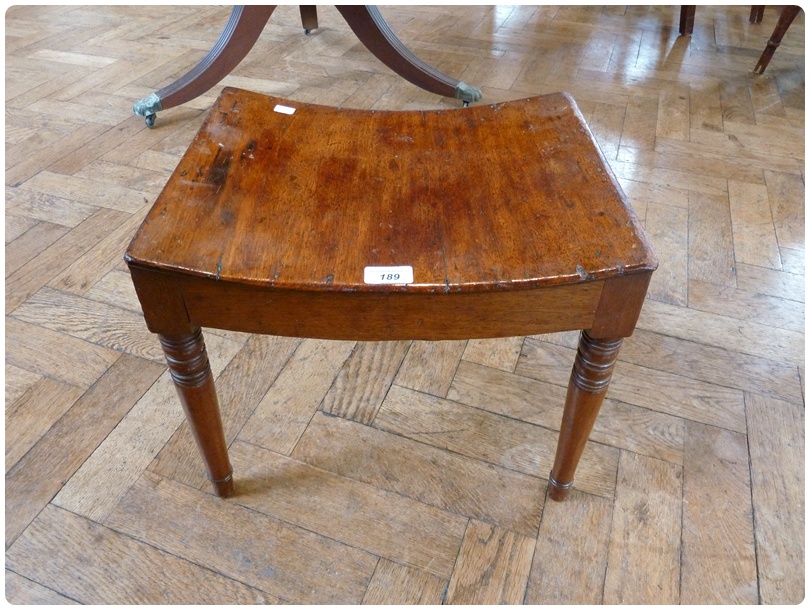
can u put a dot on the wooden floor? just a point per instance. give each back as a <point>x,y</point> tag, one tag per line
<point>411,472</point>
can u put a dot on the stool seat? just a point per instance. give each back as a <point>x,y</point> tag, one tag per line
<point>302,220</point>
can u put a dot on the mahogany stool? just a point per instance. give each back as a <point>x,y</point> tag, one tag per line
<point>302,220</point>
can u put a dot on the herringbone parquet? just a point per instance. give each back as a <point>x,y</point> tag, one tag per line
<point>411,472</point>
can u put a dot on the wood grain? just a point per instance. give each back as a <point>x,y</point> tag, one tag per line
<point>285,411</point>
<point>429,367</point>
<point>491,438</point>
<point>642,386</point>
<point>52,354</point>
<point>96,564</point>
<point>493,566</point>
<point>653,433</point>
<point>712,364</point>
<point>18,381</point>
<point>776,446</point>
<point>242,544</point>
<point>51,261</point>
<point>394,583</point>
<point>383,523</point>
<point>496,353</point>
<point>752,222</point>
<point>667,227</point>
<point>364,379</point>
<point>570,557</point>
<point>451,482</point>
<point>103,479</point>
<point>93,322</point>
<point>36,411</point>
<point>38,475</point>
<point>644,552</point>
<point>20,590</point>
<point>711,246</point>
<point>716,489</point>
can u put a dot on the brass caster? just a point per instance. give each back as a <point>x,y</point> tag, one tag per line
<point>149,119</point>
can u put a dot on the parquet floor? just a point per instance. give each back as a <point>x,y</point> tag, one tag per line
<point>411,472</point>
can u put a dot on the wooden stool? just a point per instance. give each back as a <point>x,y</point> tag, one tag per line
<point>301,220</point>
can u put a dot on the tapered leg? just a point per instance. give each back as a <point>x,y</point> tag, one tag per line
<point>587,387</point>
<point>189,368</point>
<point>369,26</point>
<point>237,39</point>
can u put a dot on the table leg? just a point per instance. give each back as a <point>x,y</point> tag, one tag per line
<point>687,20</point>
<point>237,39</point>
<point>191,373</point>
<point>587,387</point>
<point>309,17</point>
<point>372,30</point>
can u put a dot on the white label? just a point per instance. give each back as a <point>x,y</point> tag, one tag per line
<point>284,109</point>
<point>388,275</point>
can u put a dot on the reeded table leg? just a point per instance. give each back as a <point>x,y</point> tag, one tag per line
<point>191,372</point>
<point>587,387</point>
<point>237,39</point>
<point>369,26</point>
<point>309,17</point>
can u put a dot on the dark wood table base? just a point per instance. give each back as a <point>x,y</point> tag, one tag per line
<point>246,24</point>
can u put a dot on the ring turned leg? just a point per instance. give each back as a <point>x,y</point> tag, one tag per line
<point>191,372</point>
<point>587,387</point>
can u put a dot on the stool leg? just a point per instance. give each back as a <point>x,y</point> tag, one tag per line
<point>191,373</point>
<point>587,387</point>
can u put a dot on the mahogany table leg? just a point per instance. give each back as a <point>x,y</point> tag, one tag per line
<point>309,17</point>
<point>687,20</point>
<point>240,34</point>
<point>191,372</point>
<point>785,19</point>
<point>372,30</point>
<point>587,387</point>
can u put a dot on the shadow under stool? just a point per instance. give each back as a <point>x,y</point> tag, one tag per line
<point>301,220</point>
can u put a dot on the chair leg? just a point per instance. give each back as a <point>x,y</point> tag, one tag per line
<point>756,15</point>
<point>785,19</point>
<point>587,387</point>
<point>191,373</point>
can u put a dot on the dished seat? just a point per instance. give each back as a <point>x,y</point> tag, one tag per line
<point>302,220</point>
